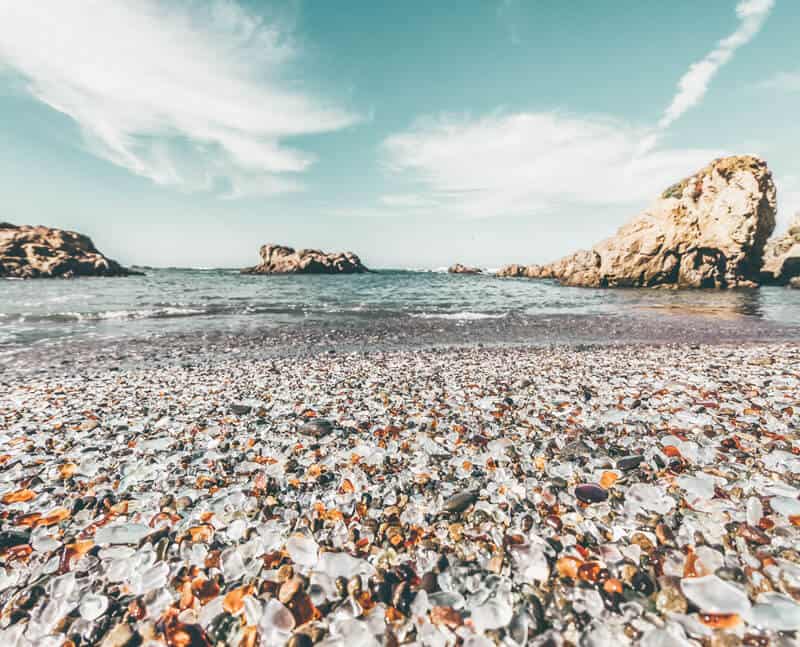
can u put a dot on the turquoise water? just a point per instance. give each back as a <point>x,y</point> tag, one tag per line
<point>190,301</point>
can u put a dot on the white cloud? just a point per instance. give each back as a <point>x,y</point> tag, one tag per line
<point>693,86</point>
<point>505,164</point>
<point>184,93</point>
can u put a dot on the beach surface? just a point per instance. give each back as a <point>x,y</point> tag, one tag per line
<point>352,490</point>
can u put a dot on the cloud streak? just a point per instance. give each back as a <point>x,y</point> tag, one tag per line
<point>507,164</point>
<point>784,81</point>
<point>187,94</point>
<point>693,85</point>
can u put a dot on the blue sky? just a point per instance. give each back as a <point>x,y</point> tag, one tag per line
<point>413,133</point>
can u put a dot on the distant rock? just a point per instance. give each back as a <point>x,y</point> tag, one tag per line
<point>782,256</point>
<point>525,271</point>
<point>458,268</point>
<point>42,252</point>
<point>708,230</point>
<point>278,259</point>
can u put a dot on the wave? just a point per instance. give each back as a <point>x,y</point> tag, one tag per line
<point>460,316</point>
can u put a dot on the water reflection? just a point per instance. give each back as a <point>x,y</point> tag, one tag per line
<point>724,304</point>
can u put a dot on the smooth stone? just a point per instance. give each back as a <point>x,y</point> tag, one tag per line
<point>317,427</point>
<point>128,533</point>
<point>627,463</point>
<point>300,640</point>
<point>776,612</point>
<point>10,538</point>
<point>459,502</point>
<point>591,493</point>
<point>713,595</point>
<point>240,409</point>
<point>785,506</point>
<point>93,606</point>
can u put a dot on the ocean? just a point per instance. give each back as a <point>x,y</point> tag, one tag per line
<point>201,301</point>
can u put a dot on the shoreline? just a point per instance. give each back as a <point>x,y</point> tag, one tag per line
<point>648,327</point>
<point>556,493</point>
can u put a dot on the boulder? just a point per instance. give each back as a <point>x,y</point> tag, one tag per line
<point>782,256</point>
<point>42,252</point>
<point>278,259</point>
<point>458,268</point>
<point>708,230</point>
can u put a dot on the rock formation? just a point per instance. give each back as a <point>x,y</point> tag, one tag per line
<point>458,268</point>
<point>782,256</point>
<point>708,230</point>
<point>525,271</point>
<point>41,252</point>
<point>277,259</point>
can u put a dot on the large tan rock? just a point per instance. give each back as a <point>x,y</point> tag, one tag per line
<point>782,256</point>
<point>278,259</point>
<point>708,230</point>
<point>41,252</point>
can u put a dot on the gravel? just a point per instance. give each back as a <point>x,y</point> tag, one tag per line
<point>465,496</point>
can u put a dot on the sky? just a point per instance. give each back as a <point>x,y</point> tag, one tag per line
<point>416,134</point>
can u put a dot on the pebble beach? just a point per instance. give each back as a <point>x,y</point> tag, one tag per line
<point>477,496</point>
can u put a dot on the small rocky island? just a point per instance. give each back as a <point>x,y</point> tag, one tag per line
<point>706,231</point>
<point>458,268</point>
<point>279,259</point>
<point>29,252</point>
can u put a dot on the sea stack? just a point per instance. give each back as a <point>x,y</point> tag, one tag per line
<point>706,231</point>
<point>279,259</point>
<point>29,252</point>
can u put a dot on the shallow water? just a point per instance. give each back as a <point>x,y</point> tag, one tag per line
<point>189,301</point>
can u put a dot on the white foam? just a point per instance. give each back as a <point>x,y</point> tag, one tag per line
<point>461,316</point>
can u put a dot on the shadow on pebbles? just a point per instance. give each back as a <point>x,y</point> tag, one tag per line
<point>477,497</point>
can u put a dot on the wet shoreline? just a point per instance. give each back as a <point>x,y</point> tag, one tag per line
<point>645,327</point>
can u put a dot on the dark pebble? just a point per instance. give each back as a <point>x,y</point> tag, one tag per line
<point>641,583</point>
<point>12,538</point>
<point>299,640</point>
<point>240,409</point>
<point>591,493</point>
<point>316,427</point>
<point>459,502</point>
<point>629,463</point>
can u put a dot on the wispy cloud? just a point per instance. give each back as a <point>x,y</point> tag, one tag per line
<point>190,94</point>
<point>693,85</point>
<point>785,81</point>
<point>534,161</point>
<point>505,164</point>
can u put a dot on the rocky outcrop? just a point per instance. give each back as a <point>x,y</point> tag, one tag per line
<point>525,271</point>
<point>41,252</point>
<point>708,230</point>
<point>782,256</point>
<point>278,259</point>
<point>458,268</point>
